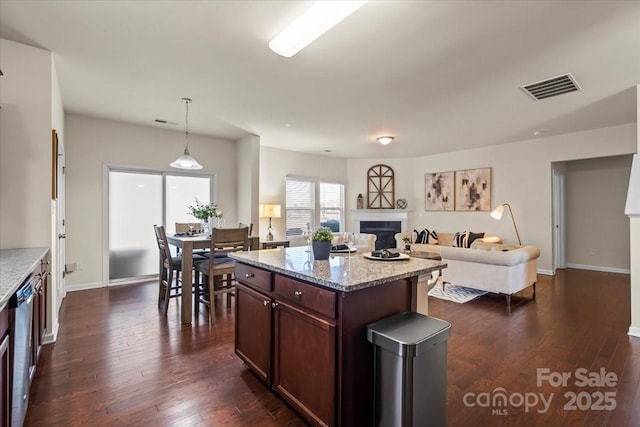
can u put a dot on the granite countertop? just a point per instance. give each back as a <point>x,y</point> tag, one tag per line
<point>342,272</point>
<point>15,266</point>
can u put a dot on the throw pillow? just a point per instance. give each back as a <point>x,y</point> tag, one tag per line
<point>473,237</point>
<point>460,240</point>
<point>433,236</point>
<point>465,239</point>
<point>427,237</point>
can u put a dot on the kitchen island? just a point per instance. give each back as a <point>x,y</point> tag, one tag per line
<point>301,325</point>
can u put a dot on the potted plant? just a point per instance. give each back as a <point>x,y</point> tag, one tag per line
<point>321,243</point>
<point>407,243</point>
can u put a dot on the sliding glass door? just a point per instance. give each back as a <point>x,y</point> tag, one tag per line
<point>181,192</point>
<point>135,204</point>
<point>138,200</point>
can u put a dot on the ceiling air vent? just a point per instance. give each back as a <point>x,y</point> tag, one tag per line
<point>165,122</point>
<point>552,87</point>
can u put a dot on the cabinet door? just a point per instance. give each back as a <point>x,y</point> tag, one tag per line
<point>305,363</point>
<point>253,330</point>
<point>5,373</point>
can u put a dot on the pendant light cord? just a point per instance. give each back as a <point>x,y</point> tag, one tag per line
<point>186,126</point>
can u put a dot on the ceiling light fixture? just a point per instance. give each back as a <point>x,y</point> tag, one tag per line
<point>314,22</point>
<point>186,161</point>
<point>385,140</point>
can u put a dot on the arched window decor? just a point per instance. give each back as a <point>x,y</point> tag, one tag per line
<point>380,187</point>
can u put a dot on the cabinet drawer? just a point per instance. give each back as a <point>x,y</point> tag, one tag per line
<point>320,300</point>
<point>255,277</point>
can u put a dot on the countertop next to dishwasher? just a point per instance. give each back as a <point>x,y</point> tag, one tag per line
<point>15,266</point>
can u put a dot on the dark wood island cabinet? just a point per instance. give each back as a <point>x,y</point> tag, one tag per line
<point>19,266</point>
<point>301,326</point>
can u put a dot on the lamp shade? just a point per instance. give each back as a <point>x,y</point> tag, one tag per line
<point>186,161</point>
<point>497,212</point>
<point>632,207</point>
<point>270,211</point>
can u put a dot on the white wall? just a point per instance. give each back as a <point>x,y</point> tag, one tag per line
<point>598,230</point>
<point>92,142</point>
<point>634,225</point>
<point>248,178</point>
<point>276,164</point>
<point>521,176</point>
<point>25,146</point>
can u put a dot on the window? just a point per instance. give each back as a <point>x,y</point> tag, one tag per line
<point>299,206</point>
<point>306,208</point>
<point>331,205</point>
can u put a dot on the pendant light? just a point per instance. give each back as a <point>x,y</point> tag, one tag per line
<point>186,161</point>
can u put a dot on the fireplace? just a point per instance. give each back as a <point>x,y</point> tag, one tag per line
<point>384,230</point>
<point>384,223</point>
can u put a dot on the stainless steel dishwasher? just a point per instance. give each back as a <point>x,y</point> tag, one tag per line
<point>21,305</point>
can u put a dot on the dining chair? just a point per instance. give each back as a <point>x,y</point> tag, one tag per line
<point>220,271</point>
<point>169,264</point>
<point>250,226</point>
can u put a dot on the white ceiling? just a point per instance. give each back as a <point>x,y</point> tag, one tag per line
<point>439,75</point>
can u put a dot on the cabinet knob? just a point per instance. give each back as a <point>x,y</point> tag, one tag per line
<point>248,275</point>
<point>298,293</point>
<point>265,303</point>
<point>274,304</point>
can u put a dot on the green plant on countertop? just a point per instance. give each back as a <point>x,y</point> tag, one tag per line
<point>204,211</point>
<point>322,234</point>
<point>406,240</point>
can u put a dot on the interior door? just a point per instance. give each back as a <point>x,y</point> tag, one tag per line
<point>558,221</point>
<point>59,254</point>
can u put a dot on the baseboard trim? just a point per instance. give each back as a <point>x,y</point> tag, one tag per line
<point>84,286</point>
<point>600,268</point>
<point>121,282</point>
<point>634,331</point>
<point>545,272</point>
<point>50,338</point>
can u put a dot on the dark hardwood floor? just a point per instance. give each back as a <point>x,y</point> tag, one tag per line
<point>118,362</point>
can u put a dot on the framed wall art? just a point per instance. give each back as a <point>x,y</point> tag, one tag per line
<point>439,191</point>
<point>473,190</point>
<point>381,190</point>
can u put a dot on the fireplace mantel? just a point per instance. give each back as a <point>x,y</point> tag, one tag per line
<point>401,215</point>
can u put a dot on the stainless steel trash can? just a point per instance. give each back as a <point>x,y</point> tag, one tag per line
<point>410,365</point>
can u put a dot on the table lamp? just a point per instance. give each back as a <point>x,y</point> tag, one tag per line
<point>270,211</point>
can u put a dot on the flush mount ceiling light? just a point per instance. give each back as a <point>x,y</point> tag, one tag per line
<point>385,140</point>
<point>186,161</point>
<point>313,23</point>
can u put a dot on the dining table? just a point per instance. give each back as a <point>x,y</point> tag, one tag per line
<point>188,244</point>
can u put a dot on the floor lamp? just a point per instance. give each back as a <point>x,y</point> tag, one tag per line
<point>497,214</point>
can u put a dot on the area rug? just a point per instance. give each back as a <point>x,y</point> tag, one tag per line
<point>454,293</point>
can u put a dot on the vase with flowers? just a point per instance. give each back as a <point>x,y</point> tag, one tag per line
<point>207,213</point>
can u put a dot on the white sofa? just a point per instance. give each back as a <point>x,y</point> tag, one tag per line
<point>503,272</point>
<point>446,240</point>
<point>364,242</point>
